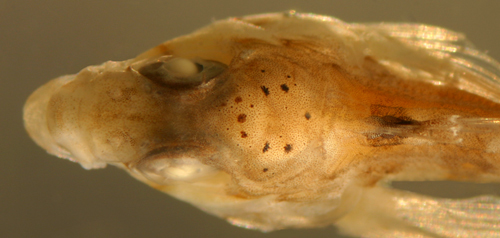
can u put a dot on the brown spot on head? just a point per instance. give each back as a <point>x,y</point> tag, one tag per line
<point>263,70</point>
<point>243,134</point>
<point>251,105</point>
<point>242,118</point>
<point>308,116</point>
<point>288,148</point>
<point>266,147</point>
<point>265,170</point>
<point>265,90</point>
<point>223,104</point>
<point>162,48</point>
<point>285,88</point>
<point>238,99</point>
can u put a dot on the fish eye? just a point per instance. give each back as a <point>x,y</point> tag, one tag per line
<point>181,72</point>
<point>167,170</point>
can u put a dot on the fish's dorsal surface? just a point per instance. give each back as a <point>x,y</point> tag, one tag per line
<point>286,120</point>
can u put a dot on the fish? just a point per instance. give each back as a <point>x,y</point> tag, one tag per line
<point>293,120</point>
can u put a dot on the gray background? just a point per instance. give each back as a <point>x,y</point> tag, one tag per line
<point>42,196</point>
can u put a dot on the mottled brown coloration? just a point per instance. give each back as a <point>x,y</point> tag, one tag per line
<point>307,115</point>
<point>244,134</point>
<point>265,90</point>
<point>266,147</point>
<point>303,118</point>
<point>285,88</point>
<point>242,118</point>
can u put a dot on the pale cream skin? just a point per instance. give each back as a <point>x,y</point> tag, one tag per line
<point>292,120</point>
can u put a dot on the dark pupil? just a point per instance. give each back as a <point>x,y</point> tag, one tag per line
<point>153,71</point>
<point>199,67</point>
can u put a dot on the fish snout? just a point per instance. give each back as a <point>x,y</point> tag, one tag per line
<point>78,117</point>
<point>53,116</point>
<point>118,112</point>
<point>35,115</point>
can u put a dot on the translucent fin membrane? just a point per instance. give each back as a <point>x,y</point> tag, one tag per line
<point>461,65</point>
<point>474,217</point>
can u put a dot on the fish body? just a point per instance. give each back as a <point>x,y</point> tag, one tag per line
<point>291,120</point>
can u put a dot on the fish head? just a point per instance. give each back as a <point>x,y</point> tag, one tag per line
<point>219,120</point>
<point>252,110</point>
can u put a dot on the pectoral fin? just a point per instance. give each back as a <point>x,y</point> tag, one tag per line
<point>386,212</point>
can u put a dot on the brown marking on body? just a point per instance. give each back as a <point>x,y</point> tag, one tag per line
<point>285,88</point>
<point>243,134</point>
<point>383,88</point>
<point>242,118</point>
<point>307,115</point>
<point>266,147</point>
<point>265,90</point>
<point>383,140</point>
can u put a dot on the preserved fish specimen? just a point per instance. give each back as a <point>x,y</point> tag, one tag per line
<point>292,120</point>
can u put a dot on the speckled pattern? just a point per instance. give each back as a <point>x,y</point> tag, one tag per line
<point>210,119</point>
<point>105,203</point>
